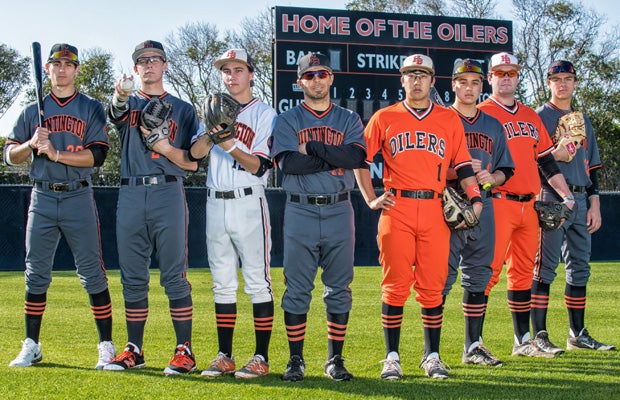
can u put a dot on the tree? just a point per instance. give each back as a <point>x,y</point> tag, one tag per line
<point>13,76</point>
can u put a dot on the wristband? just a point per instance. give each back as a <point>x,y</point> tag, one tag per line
<point>473,191</point>
<point>30,145</point>
<point>234,146</point>
<point>57,155</point>
<point>570,199</point>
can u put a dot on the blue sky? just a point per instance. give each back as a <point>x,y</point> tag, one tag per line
<point>117,26</point>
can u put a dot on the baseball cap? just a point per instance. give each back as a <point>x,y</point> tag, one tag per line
<point>64,51</point>
<point>506,59</point>
<point>466,65</point>
<point>418,62</point>
<point>239,55</point>
<point>313,62</point>
<point>148,46</point>
<point>561,67</point>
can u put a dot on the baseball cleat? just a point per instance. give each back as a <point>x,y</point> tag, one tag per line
<point>585,341</point>
<point>335,369</point>
<point>295,370</point>
<point>222,365</point>
<point>434,368</point>
<point>391,370</point>
<point>543,343</point>
<point>107,352</point>
<point>481,356</point>
<point>30,354</point>
<point>529,349</point>
<point>128,359</point>
<point>182,362</point>
<point>253,369</point>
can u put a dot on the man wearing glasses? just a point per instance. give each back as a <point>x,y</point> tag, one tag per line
<point>572,241</point>
<point>72,140</point>
<point>419,141</point>
<point>516,220</point>
<point>472,251</point>
<point>317,144</point>
<point>152,211</point>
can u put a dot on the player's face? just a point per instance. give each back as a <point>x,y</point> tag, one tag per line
<point>236,77</point>
<point>62,73</point>
<point>316,84</point>
<point>504,80</point>
<point>417,85</point>
<point>467,88</point>
<point>150,67</point>
<point>562,86</point>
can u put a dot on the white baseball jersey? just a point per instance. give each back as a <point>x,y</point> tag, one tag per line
<point>253,132</point>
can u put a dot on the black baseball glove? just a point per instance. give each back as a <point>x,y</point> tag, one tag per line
<point>456,209</point>
<point>551,214</point>
<point>156,119</point>
<point>220,113</point>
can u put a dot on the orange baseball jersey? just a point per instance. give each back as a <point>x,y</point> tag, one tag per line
<point>527,140</point>
<point>417,147</point>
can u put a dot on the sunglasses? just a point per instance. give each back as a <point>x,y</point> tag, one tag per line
<point>64,54</point>
<point>468,68</point>
<point>147,60</point>
<point>561,68</point>
<point>503,74</point>
<point>322,74</point>
<point>417,74</point>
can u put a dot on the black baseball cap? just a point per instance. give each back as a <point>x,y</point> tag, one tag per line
<point>313,62</point>
<point>465,66</point>
<point>148,46</point>
<point>64,51</point>
<point>561,67</point>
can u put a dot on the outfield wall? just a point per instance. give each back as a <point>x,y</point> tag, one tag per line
<point>15,200</point>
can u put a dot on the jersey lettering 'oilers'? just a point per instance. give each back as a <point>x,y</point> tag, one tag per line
<point>527,140</point>
<point>75,124</point>
<point>576,172</point>
<point>428,142</point>
<point>335,126</point>
<point>136,158</point>
<point>486,141</point>
<point>254,126</point>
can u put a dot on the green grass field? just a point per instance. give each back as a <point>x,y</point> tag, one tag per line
<point>69,349</point>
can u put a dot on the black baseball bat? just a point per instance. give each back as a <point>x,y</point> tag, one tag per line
<point>37,71</point>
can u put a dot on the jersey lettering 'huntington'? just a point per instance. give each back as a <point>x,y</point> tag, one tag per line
<point>423,141</point>
<point>66,123</point>
<point>245,134</point>
<point>479,140</point>
<point>323,134</point>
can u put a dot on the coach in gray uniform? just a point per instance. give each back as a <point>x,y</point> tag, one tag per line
<point>316,146</point>
<point>152,210</point>
<point>572,241</point>
<point>72,140</point>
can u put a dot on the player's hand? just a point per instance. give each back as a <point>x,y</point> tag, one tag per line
<point>46,147</point>
<point>484,177</point>
<point>124,86</point>
<point>593,216</point>
<point>383,202</point>
<point>476,165</point>
<point>302,149</point>
<point>162,146</point>
<point>477,206</point>
<point>40,135</point>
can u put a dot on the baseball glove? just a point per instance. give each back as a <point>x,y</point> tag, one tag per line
<point>220,112</point>
<point>570,134</point>
<point>551,213</point>
<point>156,119</point>
<point>456,209</point>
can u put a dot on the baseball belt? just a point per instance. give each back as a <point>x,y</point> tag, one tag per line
<point>149,180</point>
<point>61,186</point>
<point>415,194</point>
<point>577,189</point>
<point>230,194</point>
<point>523,198</point>
<point>318,200</point>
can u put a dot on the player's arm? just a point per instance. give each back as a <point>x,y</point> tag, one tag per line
<point>364,182</point>
<point>119,106</point>
<point>348,156</point>
<point>296,163</point>
<point>15,154</point>
<point>468,182</point>
<point>554,177</point>
<point>178,156</point>
<point>256,165</point>
<point>593,216</point>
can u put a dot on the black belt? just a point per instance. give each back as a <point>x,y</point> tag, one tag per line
<point>230,194</point>
<point>149,180</point>
<point>577,189</point>
<point>321,200</point>
<point>415,194</point>
<point>61,187</point>
<point>514,197</point>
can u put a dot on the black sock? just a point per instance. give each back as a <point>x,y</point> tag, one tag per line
<point>392,320</point>
<point>263,325</point>
<point>519,304</point>
<point>101,306</point>
<point>432,319</point>
<point>336,332</point>
<point>225,318</point>
<point>136,314</point>
<point>540,304</point>
<point>295,332</point>
<point>182,314</point>
<point>575,299</point>
<point>34,306</point>
<point>473,310</point>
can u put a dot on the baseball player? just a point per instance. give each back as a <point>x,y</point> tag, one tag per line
<point>473,251</point>
<point>419,141</point>
<point>516,221</point>
<point>572,241</point>
<point>238,226</point>
<point>72,140</point>
<point>152,211</point>
<point>316,146</point>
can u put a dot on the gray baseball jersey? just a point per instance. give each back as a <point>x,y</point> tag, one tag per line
<point>472,250</point>
<point>318,220</point>
<point>572,241</point>
<point>152,209</point>
<point>62,198</point>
